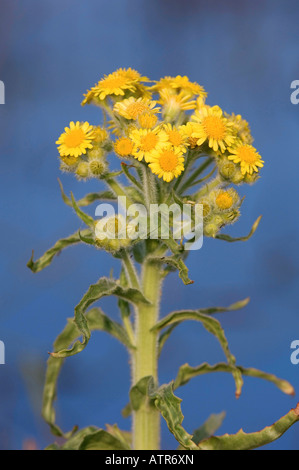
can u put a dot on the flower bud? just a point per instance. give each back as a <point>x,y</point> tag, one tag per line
<point>82,170</point>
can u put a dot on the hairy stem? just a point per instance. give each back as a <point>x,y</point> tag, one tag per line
<point>146,420</point>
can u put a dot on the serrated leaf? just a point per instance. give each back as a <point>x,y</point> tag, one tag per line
<point>87,219</point>
<point>243,441</point>
<point>48,256</point>
<point>89,198</point>
<point>76,440</point>
<point>96,321</point>
<point>187,372</point>
<point>177,263</point>
<point>170,408</point>
<point>210,426</point>
<point>212,326</point>
<point>103,288</point>
<point>230,239</point>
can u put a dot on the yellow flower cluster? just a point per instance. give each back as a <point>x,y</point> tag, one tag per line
<point>165,124</point>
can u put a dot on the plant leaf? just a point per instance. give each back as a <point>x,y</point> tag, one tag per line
<point>210,426</point>
<point>48,256</point>
<point>96,321</point>
<point>170,407</point>
<point>243,441</point>
<point>103,288</point>
<point>103,440</point>
<point>123,436</point>
<point>228,238</point>
<point>187,372</point>
<point>88,199</point>
<point>87,219</point>
<point>212,326</point>
<point>177,263</point>
<point>140,392</point>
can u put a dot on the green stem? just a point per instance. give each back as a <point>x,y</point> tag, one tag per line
<point>146,420</point>
<point>196,173</point>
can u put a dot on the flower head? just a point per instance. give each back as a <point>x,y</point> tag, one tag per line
<point>167,163</point>
<point>146,141</point>
<point>75,141</point>
<point>123,147</point>
<point>132,107</point>
<point>248,157</point>
<point>176,137</point>
<point>214,128</point>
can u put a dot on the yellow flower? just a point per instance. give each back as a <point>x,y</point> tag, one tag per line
<point>226,199</point>
<point>123,147</point>
<point>131,108</point>
<point>174,103</point>
<point>176,137</point>
<point>115,84</point>
<point>75,141</point>
<point>189,130</point>
<point>248,157</point>
<point>147,120</point>
<point>167,163</point>
<point>189,88</point>
<point>179,84</point>
<point>146,141</point>
<point>132,75</point>
<point>214,128</point>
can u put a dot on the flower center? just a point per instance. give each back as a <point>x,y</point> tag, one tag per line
<point>168,160</point>
<point>149,141</point>
<point>147,120</point>
<point>214,127</point>
<point>124,146</point>
<point>247,154</point>
<point>134,109</point>
<point>74,138</point>
<point>174,138</point>
<point>224,200</point>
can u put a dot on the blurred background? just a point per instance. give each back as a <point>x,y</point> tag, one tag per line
<point>246,54</point>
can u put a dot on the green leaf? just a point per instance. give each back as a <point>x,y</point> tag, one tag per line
<point>102,440</point>
<point>123,436</point>
<point>187,372</point>
<point>96,321</point>
<point>87,219</point>
<point>243,441</point>
<point>103,288</point>
<point>228,238</point>
<point>170,407</point>
<point>177,263</point>
<point>89,198</point>
<point>209,311</point>
<point>76,440</point>
<point>140,392</point>
<point>235,306</point>
<point>212,326</point>
<point>48,256</point>
<point>210,426</point>
<point>123,305</point>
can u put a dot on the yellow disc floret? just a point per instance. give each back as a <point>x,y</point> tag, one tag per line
<point>123,147</point>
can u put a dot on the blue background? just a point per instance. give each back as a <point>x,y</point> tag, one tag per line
<point>245,53</point>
